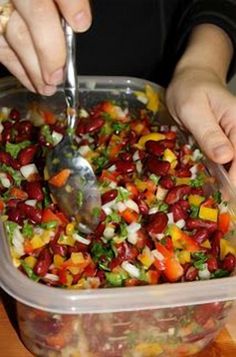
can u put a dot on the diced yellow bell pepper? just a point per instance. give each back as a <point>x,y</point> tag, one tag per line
<point>207,213</point>
<point>141,96</point>
<point>70,228</point>
<point>206,244</point>
<point>141,185</point>
<point>37,242</point>
<point>153,98</point>
<point>152,136</point>
<point>67,240</point>
<point>195,200</point>
<point>169,155</point>
<point>69,279</point>
<point>46,236</point>
<point>183,180</point>
<point>173,164</point>
<point>146,258</point>
<point>184,257</point>
<point>77,258</point>
<point>148,349</point>
<point>74,270</point>
<point>58,260</point>
<point>30,261</point>
<point>225,248</point>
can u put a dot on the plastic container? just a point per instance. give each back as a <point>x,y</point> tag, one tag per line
<point>164,320</point>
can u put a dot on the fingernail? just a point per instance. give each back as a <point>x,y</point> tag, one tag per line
<point>82,21</point>
<point>57,77</point>
<point>48,90</point>
<point>221,151</point>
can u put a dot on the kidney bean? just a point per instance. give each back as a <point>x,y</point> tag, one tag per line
<point>80,129</point>
<point>14,115</point>
<point>26,155</point>
<point>126,156</point>
<point>196,223</point>
<point>15,215</point>
<point>191,274</point>
<point>215,243</point>
<point>183,172</point>
<point>184,204</point>
<point>7,124</point>
<point>154,148</point>
<point>43,262</point>
<point>126,251</point>
<point>15,164</point>
<point>168,144</point>
<point>201,235</point>
<point>178,212</point>
<point>143,207</point>
<point>6,135</point>
<point>229,263</point>
<point>177,193</point>
<point>157,223</point>
<point>124,167</point>
<point>212,264</point>
<point>93,124</point>
<point>167,182</point>
<point>157,167</point>
<point>34,190</point>
<point>32,213</point>
<point>24,128</point>
<point>5,158</point>
<point>56,248</point>
<point>197,191</point>
<point>132,137</point>
<point>109,196</point>
<point>12,203</point>
<point>100,229</point>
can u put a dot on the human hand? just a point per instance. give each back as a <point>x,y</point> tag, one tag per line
<point>198,99</point>
<point>33,46</point>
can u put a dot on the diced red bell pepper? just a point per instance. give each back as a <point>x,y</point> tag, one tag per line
<point>173,269</point>
<point>224,222</point>
<point>49,216</point>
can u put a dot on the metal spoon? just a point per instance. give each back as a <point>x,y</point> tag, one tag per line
<point>79,197</point>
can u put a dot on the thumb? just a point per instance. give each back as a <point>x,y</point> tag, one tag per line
<point>202,123</point>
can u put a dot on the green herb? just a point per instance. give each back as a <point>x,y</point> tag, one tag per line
<point>118,127</point>
<point>104,266</point>
<point>123,230</point>
<point>154,178</point>
<point>10,228</point>
<point>49,225</point>
<point>194,211</point>
<point>106,129</point>
<point>47,200</point>
<point>99,251</point>
<point>217,197</point>
<point>14,149</point>
<point>163,207</point>
<point>113,217</point>
<point>200,260</point>
<point>46,132</point>
<point>29,271</point>
<point>79,198</point>
<point>198,181</point>
<point>16,175</point>
<point>116,279</point>
<point>220,273</point>
<point>100,162</point>
<point>28,230</point>
<point>123,194</point>
<point>96,212</point>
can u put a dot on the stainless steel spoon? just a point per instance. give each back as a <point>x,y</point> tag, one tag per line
<point>79,197</point>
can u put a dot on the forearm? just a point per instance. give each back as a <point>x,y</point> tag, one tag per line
<point>209,47</point>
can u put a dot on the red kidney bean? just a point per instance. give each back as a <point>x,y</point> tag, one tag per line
<point>102,216</point>
<point>15,164</point>
<point>5,158</point>
<point>34,190</point>
<point>178,212</point>
<point>177,193</point>
<point>154,148</point>
<point>215,243</point>
<point>99,230</point>
<point>7,124</point>
<point>109,196</point>
<point>168,144</point>
<point>124,167</point>
<point>132,137</point>
<point>56,248</point>
<point>201,235</point>
<point>184,204</point>
<point>77,247</point>
<point>80,129</point>
<point>183,172</point>
<point>191,274</point>
<point>157,223</point>
<point>6,135</point>
<point>14,115</point>
<point>93,124</point>
<point>26,155</point>
<point>196,223</point>
<point>126,251</point>
<point>212,264</point>
<point>15,215</point>
<point>43,262</point>
<point>32,213</point>
<point>229,263</point>
<point>167,182</point>
<point>157,167</point>
<point>197,191</point>
<point>12,203</point>
<point>126,156</point>
<point>143,207</point>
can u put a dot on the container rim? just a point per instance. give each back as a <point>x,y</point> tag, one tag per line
<point>70,301</point>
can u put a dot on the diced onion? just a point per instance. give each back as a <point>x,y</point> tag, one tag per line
<point>5,180</point>
<point>109,232</point>
<point>132,238</point>
<point>52,277</point>
<point>120,206</point>
<point>139,166</point>
<point>180,223</point>
<point>130,269</point>
<point>31,202</point>
<point>158,255</point>
<point>28,170</point>
<point>56,137</point>
<point>136,156</point>
<point>18,241</point>
<point>112,168</point>
<point>84,150</point>
<point>133,227</point>
<point>160,236</point>
<point>1,128</point>
<point>194,171</point>
<point>161,193</point>
<point>153,210</point>
<point>80,239</point>
<point>204,274</point>
<point>107,207</point>
<point>170,218</point>
<point>132,205</point>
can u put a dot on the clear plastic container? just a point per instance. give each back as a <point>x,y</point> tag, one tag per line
<point>177,319</point>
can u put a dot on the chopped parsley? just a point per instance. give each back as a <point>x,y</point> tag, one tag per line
<point>198,181</point>
<point>16,175</point>
<point>199,260</point>
<point>49,225</point>
<point>10,228</point>
<point>123,194</point>
<point>217,197</point>
<point>28,230</point>
<point>46,132</point>
<point>14,149</point>
<point>99,251</point>
<point>220,273</point>
<point>194,211</point>
<point>113,217</point>
<point>29,271</point>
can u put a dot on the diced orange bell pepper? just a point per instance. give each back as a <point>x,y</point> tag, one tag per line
<point>182,240</point>
<point>49,216</point>
<point>224,222</point>
<point>153,276</point>
<point>173,269</point>
<point>49,118</point>
<point>28,249</point>
<point>18,193</point>
<point>61,178</point>
<point>108,176</point>
<point>132,189</point>
<point>129,215</point>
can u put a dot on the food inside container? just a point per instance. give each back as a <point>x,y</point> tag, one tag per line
<point>166,219</point>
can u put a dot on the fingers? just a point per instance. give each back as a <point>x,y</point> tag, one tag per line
<point>12,63</point>
<point>77,13</point>
<point>201,122</point>
<point>19,39</point>
<point>43,23</point>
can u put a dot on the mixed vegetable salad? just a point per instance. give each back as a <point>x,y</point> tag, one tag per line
<point>157,223</point>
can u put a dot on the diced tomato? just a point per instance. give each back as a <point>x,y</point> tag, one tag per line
<point>49,118</point>
<point>170,135</point>
<point>129,215</point>
<point>61,178</point>
<point>224,222</point>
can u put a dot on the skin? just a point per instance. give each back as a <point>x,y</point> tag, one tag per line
<point>197,96</point>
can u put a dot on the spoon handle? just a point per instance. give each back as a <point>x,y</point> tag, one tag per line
<point>70,83</point>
